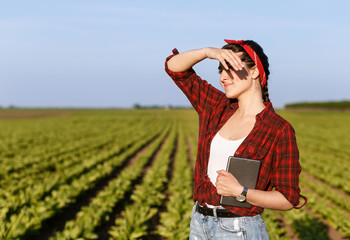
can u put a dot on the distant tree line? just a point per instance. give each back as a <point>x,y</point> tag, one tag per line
<point>321,105</point>
<point>138,106</point>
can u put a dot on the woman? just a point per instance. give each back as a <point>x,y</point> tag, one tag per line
<point>243,123</point>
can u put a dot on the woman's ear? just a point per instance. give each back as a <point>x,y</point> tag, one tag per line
<point>254,72</point>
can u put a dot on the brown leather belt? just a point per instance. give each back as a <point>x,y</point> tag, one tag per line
<point>219,212</point>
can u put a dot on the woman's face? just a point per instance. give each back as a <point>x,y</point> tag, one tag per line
<point>235,82</point>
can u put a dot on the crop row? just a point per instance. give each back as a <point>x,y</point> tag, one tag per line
<point>326,202</point>
<point>57,151</point>
<point>273,225</point>
<point>63,166</point>
<point>320,167</point>
<point>33,162</point>
<point>31,137</point>
<point>324,190</point>
<point>147,197</point>
<point>30,218</point>
<point>304,225</point>
<point>323,142</point>
<point>36,189</point>
<point>100,208</point>
<point>175,222</point>
<point>48,164</point>
<point>334,215</point>
<point>29,142</point>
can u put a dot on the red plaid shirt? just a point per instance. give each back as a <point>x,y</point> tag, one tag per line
<point>272,141</point>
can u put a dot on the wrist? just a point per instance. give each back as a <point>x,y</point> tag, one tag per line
<point>200,54</point>
<point>206,52</point>
<point>242,197</point>
<point>238,191</point>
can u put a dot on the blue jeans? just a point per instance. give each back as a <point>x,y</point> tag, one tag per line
<point>243,228</point>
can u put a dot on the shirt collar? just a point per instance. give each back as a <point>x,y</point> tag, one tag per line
<point>266,114</point>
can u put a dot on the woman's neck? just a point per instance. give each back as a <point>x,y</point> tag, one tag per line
<point>250,105</point>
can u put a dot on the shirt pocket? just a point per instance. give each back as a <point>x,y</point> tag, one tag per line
<point>259,149</point>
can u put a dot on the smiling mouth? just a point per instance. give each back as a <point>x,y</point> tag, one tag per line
<point>228,84</point>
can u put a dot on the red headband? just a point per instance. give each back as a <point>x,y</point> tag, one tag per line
<point>254,57</point>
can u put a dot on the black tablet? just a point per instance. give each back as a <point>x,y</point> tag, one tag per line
<point>246,171</point>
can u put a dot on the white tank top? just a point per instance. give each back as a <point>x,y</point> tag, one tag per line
<point>220,150</point>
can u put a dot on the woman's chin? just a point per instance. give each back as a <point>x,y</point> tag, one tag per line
<point>230,95</point>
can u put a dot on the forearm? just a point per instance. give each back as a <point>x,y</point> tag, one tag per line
<point>227,185</point>
<point>268,199</point>
<point>184,61</point>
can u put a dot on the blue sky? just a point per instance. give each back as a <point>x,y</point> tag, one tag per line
<point>86,53</point>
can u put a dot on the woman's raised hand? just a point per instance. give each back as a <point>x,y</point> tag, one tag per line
<point>223,55</point>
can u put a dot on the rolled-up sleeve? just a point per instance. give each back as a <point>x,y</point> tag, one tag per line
<point>177,76</point>
<point>285,177</point>
<point>200,93</point>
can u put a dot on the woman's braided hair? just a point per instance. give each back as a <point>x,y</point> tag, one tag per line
<point>250,63</point>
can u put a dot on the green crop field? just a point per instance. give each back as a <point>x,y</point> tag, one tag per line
<point>127,174</point>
